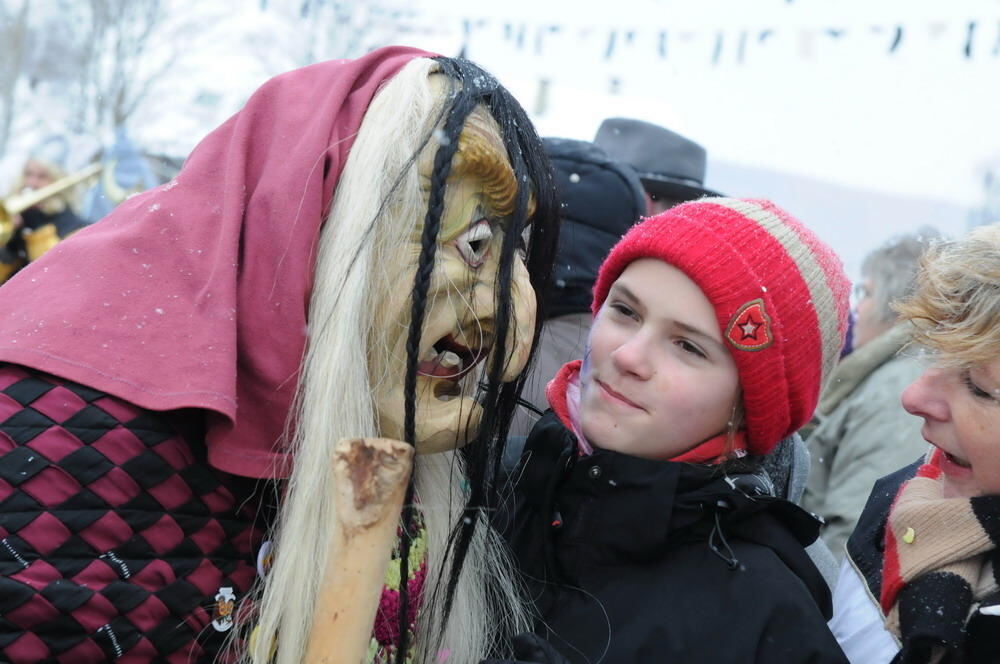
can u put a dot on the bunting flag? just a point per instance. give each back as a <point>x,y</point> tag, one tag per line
<point>738,45</point>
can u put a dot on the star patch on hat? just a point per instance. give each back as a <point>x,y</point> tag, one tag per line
<point>750,327</point>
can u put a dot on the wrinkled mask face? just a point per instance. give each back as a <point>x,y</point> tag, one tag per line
<point>460,322</point>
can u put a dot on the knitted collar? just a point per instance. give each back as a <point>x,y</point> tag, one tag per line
<point>940,562</point>
<point>563,394</point>
<point>385,635</point>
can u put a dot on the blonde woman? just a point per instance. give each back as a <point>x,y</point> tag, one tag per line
<point>920,581</point>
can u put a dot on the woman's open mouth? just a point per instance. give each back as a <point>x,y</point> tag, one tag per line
<point>449,361</point>
<point>961,463</point>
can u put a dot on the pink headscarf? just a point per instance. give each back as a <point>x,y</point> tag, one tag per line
<point>195,294</point>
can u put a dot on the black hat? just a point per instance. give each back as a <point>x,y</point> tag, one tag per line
<point>669,165</point>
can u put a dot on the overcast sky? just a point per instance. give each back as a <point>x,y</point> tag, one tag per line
<point>891,95</point>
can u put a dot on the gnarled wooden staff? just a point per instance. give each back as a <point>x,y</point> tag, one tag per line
<point>371,476</point>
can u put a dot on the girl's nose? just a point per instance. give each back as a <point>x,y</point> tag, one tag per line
<point>927,396</point>
<point>633,357</point>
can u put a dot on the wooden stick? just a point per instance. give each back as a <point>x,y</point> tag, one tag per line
<point>370,476</point>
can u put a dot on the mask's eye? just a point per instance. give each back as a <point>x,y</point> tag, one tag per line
<point>474,244</point>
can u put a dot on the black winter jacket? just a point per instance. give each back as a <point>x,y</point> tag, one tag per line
<point>631,560</point>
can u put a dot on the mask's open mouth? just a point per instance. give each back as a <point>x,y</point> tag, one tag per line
<point>449,361</point>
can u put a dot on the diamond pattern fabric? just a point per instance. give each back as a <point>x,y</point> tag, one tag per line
<point>115,534</point>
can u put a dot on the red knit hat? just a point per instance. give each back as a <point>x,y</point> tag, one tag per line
<point>780,297</point>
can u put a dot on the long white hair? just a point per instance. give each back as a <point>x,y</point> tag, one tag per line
<point>375,210</point>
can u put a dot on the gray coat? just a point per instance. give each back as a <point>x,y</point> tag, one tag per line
<point>861,433</point>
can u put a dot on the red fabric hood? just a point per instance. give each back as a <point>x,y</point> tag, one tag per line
<point>195,294</point>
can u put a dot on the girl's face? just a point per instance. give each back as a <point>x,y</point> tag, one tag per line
<point>961,413</point>
<point>660,380</point>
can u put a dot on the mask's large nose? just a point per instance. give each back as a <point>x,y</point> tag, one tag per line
<point>523,308</point>
<point>522,328</point>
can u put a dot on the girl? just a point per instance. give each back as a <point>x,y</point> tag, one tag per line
<point>646,528</point>
<point>920,580</point>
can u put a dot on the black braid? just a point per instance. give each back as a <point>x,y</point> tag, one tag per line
<point>460,109</point>
<point>472,86</point>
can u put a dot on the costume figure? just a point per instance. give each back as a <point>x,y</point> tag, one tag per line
<point>26,236</point>
<point>354,254</point>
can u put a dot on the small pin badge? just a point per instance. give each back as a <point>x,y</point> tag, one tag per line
<point>264,559</point>
<point>225,603</point>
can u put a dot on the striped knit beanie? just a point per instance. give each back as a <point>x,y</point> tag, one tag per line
<point>780,297</point>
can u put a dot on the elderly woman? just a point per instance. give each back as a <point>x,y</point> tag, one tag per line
<point>920,582</point>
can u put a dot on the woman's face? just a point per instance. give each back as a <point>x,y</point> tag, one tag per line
<point>961,413</point>
<point>36,175</point>
<point>660,379</point>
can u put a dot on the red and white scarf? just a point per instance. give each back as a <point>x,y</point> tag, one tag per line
<point>940,561</point>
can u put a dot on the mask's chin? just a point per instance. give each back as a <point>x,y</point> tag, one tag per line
<point>446,419</point>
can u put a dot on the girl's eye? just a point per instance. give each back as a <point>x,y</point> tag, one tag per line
<point>689,347</point>
<point>973,388</point>
<point>474,244</point>
<point>622,309</point>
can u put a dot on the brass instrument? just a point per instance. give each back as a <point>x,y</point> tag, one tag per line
<point>18,203</point>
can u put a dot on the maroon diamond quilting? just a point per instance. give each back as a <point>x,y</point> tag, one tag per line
<point>107,532</point>
<point>11,375</point>
<point>70,486</point>
<point>115,487</point>
<point>219,499</point>
<point>58,404</point>
<point>6,443</point>
<point>54,443</point>
<point>96,575</point>
<point>175,452</point>
<point>148,614</point>
<point>163,535</point>
<point>8,407</point>
<point>154,576</point>
<point>45,534</point>
<point>84,652</point>
<point>209,537</point>
<point>27,648</point>
<point>119,446</point>
<point>37,574</point>
<point>171,492</point>
<point>95,612</point>
<point>122,411</point>
<point>33,612</point>
<point>52,486</point>
<point>5,489</point>
<point>206,577</point>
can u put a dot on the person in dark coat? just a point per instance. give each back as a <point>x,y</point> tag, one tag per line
<point>600,199</point>
<point>644,523</point>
